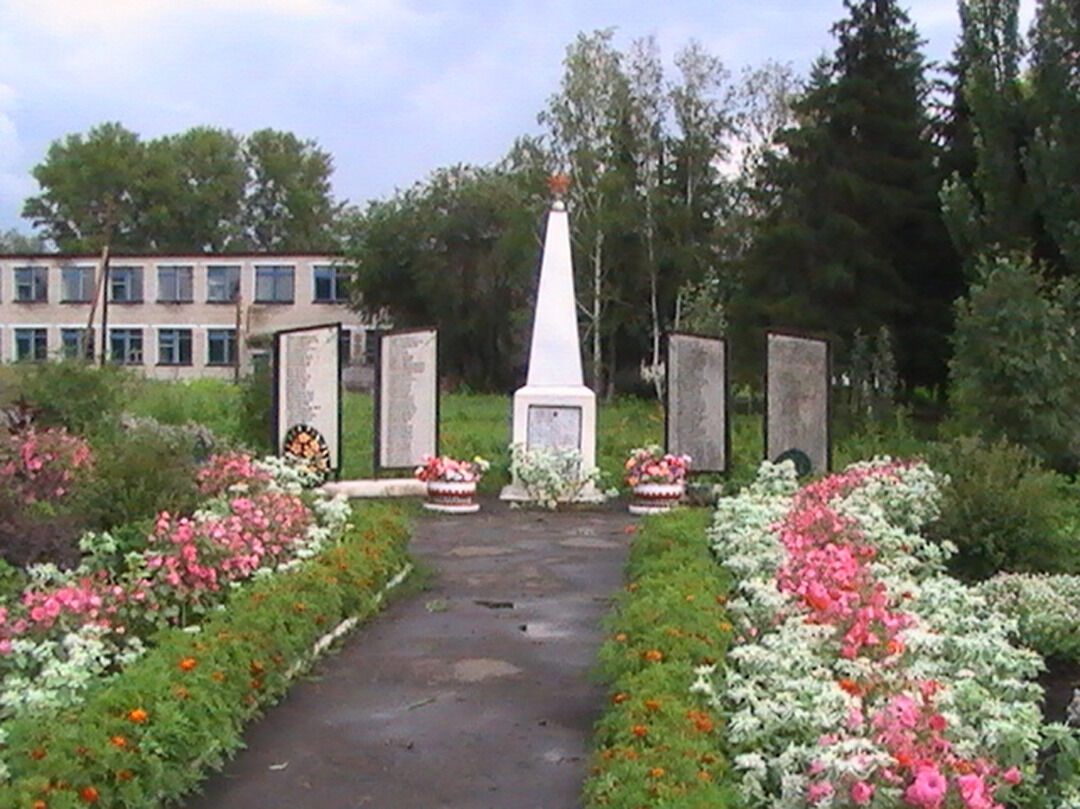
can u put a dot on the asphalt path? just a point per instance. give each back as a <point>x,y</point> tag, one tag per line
<point>474,693</point>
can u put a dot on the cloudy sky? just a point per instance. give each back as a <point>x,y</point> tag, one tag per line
<point>391,88</point>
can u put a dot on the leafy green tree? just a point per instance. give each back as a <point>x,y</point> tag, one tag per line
<point>854,239</point>
<point>1053,163</point>
<point>1016,365</point>
<point>12,241</point>
<point>202,190</point>
<point>289,204</point>
<point>457,252</point>
<point>195,191</point>
<point>91,190</point>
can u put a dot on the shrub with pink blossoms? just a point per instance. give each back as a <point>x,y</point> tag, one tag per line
<point>221,472</point>
<point>193,557</point>
<point>42,465</point>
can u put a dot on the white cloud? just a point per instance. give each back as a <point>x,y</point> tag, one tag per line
<point>15,183</point>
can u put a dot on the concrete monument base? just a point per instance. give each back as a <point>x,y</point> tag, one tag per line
<point>555,417</point>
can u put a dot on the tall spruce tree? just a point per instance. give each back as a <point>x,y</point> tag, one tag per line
<point>988,206</point>
<point>1053,157</point>
<point>855,239</point>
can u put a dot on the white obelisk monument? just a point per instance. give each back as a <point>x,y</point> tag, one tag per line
<point>555,410</point>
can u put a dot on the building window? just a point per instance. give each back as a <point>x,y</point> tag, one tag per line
<point>221,347</point>
<point>125,346</point>
<point>31,284</point>
<point>31,345</point>
<point>174,284</point>
<point>76,284</point>
<point>370,344</point>
<point>222,284</point>
<point>274,284</point>
<point>345,346</point>
<point>174,346</point>
<point>77,343</point>
<point>329,284</point>
<point>125,285</point>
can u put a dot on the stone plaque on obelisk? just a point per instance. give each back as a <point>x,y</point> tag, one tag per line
<point>555,410</point>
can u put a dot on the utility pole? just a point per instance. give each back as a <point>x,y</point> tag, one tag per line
<point>106,242</point>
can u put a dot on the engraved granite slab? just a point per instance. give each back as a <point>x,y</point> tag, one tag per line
<point>553,427</point>
<point>797,399</point>
<point>696,421</point>
<point>307,395</point>
<point>406,395</point>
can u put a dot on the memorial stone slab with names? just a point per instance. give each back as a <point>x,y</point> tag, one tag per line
<point>406,398</point>
<point>696,417</point>
<point>306,411</point>
<point>554,428</point>
<point>797,401</point>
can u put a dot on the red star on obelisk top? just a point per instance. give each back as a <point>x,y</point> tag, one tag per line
<point>558,183</point>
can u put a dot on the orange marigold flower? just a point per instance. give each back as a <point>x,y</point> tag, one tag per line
<point>38,753</point>
<point>188,663</point>
<point>724,626</point>
<point>257,667</point>
<point>656,772</point>
<point>619,698</point>
<point>721,599</point>
<point>850,686</point>
<point>118,741</point>
<point>640,731</point>
<point>895,646</point>
<point>652,704</point>
<point>630,755</point>
<point>39,804</point>
<point>704,724</point>
<point>704,775</point>
<point>256,684</point>
<point>137,715</point>
<point>218,676</point>
<point>620,637</point>
<point>89,794</point>
<point>124,775</point>
<point>299,606</point>
<point>653,655</point>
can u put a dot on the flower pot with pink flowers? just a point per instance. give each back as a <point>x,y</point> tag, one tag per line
<point>657,479</point>
<point>451,484</point>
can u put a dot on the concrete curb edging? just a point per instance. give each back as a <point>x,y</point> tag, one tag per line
<point>346,626</point>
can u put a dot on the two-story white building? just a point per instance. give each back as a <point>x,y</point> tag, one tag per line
<point>176,316</point>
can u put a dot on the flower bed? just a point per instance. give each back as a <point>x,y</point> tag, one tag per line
<point>150,734</point>
<point>170,649</point>
<point>656,744</point>
<point>861,674</point>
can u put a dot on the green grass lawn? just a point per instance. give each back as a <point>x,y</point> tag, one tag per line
<point>473,424</point>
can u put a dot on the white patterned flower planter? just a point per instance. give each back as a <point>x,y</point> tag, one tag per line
<point>655,498</point>
<point>452,497</point>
